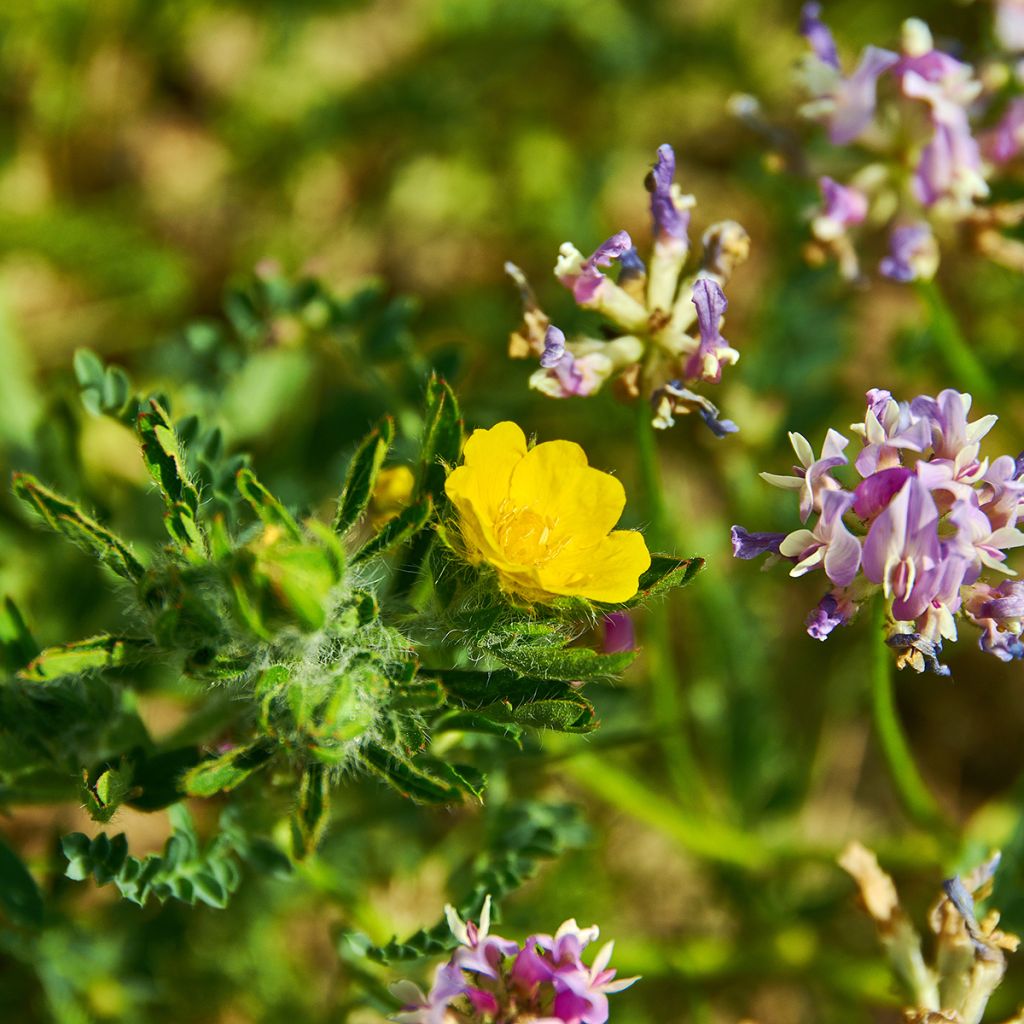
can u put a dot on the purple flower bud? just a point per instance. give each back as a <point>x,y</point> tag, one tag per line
<point>619,634</point>
<point>842,207</point>
<point>825,618</point>
<point>669,220</point>
<point>750,545</point>
<point>817,33</point>
<point>554,347</point>
<point>913,254</point>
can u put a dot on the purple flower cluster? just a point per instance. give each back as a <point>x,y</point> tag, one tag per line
<point>490,978</point>
<point>664,337</point>
<point>917,108</point>
<point>928,524</point>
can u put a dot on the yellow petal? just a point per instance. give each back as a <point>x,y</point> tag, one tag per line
<point>479,486</point>
<point>607,571</point>
<point>555,481</point>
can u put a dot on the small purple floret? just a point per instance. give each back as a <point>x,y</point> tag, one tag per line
<point>669,220</point>
<point>825,618</point>
<point>750,545</point>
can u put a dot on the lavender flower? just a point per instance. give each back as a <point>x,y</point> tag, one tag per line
<point>490,978</point>
<point>927,528</point>
<point>922,109</point>
<point>665,323</point>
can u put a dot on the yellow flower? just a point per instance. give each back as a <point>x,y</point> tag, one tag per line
<point>542,518</point>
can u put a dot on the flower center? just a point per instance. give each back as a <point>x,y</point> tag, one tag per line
<point>525,536</point>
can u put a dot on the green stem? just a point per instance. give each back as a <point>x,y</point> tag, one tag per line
<point>706,837</point>
<point>913,792</point>
<point>666,687</point>
<point>960,358</point>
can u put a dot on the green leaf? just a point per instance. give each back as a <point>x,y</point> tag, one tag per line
<point>570,664</point>
<point>181,524</point>
<point>313,813</point>
<point>266,506</point>
<point>66,518</point>
<point>397,531</point>
<point>230,770</point>
<point>362,475</point>
<point>505,696</point>
<point>20,897</point>
<point>97,652</point>
<point>110,790</point>
<point>666,573</point>
<point>442,439</point>
<point>17,646</point>
<point>467,721</point>
<point>162,454</point>
<point>185,871</point>
<point>422,781</point>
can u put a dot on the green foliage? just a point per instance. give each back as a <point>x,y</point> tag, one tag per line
<point>362,475</point>
<point>65,517</point>
<point>522,837</point>
<point>20,898</point>
<point>185,871</point>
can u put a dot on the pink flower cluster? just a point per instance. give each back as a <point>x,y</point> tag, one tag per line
<point>490,978</point>
<point>928,525</point>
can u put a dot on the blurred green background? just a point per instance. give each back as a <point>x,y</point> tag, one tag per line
<point>152,154</point>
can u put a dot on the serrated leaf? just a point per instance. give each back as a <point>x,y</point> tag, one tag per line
<point>362,475</point>
<point>442,438</point>
<point>570,664</point>
<point>666,573</point>
<point>20,897</point>
<point>396,531</point>
<point>66,518</point>
<point>17,645</point>
<point>161,451</point>
<point>230,770</point>
<point>266,506</point>
<point>97,652</point>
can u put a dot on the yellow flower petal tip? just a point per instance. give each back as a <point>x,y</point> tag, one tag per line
<point>543,518</point>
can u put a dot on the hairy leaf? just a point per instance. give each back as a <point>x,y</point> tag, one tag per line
<point>230,770</point>
<point>442,438</point>
<point>66,518</point>
<point>266,506</point>
<point>362,475</point>
<point>97,652</point>
<point>163,456</point>
<point>396,531</point>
